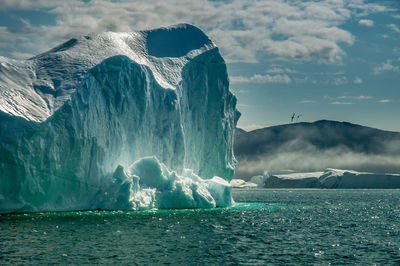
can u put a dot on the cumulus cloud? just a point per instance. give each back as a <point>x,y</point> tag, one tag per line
<point>283,29</point>
<point>358,80</point>
<point>257,78</point>
<point>341,103</point>
<point>366,22</point>
<point>27,4</point>
<point>306,101</point>
<point>366,9</point>
<point>360,97</point>
<point>385,67</point>
<point>276,70</point>
<point>340,80</point>
<point>394,27</point>
<point>384,101</point>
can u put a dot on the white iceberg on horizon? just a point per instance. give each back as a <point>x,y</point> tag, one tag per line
<point>240,183</point>
<point>331,178</point>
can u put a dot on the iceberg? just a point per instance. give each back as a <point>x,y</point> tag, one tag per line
<point>75,118</point>
<point>240,183</point>
<point>330,178</point>
<point>335,178</point>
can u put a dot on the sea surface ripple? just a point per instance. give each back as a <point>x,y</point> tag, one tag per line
<point>265,226</point>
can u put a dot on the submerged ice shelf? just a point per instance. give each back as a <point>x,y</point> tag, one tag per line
<point>74,119</point>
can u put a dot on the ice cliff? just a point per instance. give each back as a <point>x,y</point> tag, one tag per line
<point>74,119</point>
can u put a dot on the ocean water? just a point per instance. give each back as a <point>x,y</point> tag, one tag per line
<point>265,226</point>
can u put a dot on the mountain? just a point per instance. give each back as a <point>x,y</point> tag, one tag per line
<point>75,118</point>
<point>316,146</point>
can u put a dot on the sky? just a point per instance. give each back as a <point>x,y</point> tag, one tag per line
<point>329,59</point>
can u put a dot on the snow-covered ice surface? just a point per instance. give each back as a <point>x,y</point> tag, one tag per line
<point>334,178</point>
<point>330,178</point>
<point>73,120</point>
<point>299,175</point>
<point>240,183</point>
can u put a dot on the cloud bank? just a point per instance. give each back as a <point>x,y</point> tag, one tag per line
<point>310,162</point>
<point>245,30</point>
<point>311,158</point>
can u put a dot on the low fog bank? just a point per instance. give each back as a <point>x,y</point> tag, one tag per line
<point>309,162</point>
<point>316,146</point>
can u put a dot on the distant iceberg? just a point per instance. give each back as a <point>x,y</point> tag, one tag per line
<point>334,178</point>
<point>73,120</point>
<point>240,183</point>
<point>330,178</point>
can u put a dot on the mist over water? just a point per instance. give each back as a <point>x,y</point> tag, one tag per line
<point>319,160</point>
<point>316,146</point>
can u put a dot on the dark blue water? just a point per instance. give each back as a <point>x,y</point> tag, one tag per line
<point>266,227</point>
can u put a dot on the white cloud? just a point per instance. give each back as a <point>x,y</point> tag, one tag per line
<point>244,32</point>
<point>307,48</point>
<point>314,28</point>
<point>393,27</point>
<point>257,78</point>
<point>366,9</point>
<point>278,70</point>
<point>341,103</point>
<point>366,22</point>
<point>307,101</point>
<point>358,80</point>
<point>385,67</point>
<point>361,97</point>
<point>384,101</point>
<point>340,80</point>
<point>28,4</point>
<point>396,16</point>
<point>304,79</point>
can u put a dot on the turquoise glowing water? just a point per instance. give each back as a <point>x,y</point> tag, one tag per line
<point>265,226</point>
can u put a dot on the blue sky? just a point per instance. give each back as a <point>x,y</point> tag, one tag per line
<point>331,59</point>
